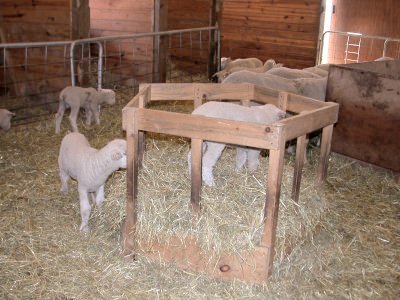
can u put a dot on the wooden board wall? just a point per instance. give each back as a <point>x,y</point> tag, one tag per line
<point>123,17</point>
<point>370,17</point>
<point>285,30</point>
<point>44,20</point>
<point>24,21</point>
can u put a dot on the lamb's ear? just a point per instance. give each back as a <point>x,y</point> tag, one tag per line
<point>116,155</point>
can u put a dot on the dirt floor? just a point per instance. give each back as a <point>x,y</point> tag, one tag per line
<point>354,254</point>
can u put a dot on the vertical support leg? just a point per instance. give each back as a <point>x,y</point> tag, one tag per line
<point>298,167</point>
<point>275,170</point>
<point>129,227</point>
<point>141,146</point>
<point>196,178</point>
<point>326,140</point>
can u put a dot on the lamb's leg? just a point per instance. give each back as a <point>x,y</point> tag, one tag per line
<point>59,116</point>
<point>241,157</point>
<point>73,117</point>
<point>100,198</point>
<point>97,115</point>
<point>89,115</point>
<point>85,209</point>
<point>210,158</point>
<point>64,181</point>
<point>252,159</point>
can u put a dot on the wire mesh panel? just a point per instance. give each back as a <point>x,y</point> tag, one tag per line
<point>33,74</point>
<point>338,47</point>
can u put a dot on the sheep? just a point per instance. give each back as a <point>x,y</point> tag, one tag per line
<point>88,98</point>
<point>265,114</point>
<point>269,64</point>
<point>309,87</point>
<point>90,168</point>
<point>292,73</point>
<point>5,119</point>
<point>321,69</point>
<point>251,62</point>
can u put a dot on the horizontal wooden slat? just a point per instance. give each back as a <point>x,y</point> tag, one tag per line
<point>213,129</point>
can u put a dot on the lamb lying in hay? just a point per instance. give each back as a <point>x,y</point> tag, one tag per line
<point>264,114</point>
<point>90,167</point>
<point>90,99</point>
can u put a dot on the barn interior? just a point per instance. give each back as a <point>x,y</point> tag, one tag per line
<point>340,240</point>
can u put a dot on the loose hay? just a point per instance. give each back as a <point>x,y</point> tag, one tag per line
<point>43,255</point>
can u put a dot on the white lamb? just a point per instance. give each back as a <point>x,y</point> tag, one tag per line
<point>292,73</point>
<point>5,119</point>
<point>251,62</point>
<point>90,168</point>
<point>264,114</point>
<point>88,98</point>
<point>309,87</point>
<point>268,65</point>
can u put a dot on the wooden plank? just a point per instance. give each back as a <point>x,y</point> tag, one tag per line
<point>301,146</point>
<point>196,174</point>
<point>310,121</point>
<point>121,4</point>
<point>50,15</point>
<point>188,91</point>
<point>205,128</point>
<point>249,266</point>
<point>129,242</point>
<point>271,208</point>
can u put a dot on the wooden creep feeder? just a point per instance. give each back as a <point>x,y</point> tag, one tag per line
<point>309,115</point>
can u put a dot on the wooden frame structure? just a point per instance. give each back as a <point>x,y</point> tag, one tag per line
<point>309,115</point>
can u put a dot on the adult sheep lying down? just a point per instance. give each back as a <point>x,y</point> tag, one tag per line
<point>5,119</point>
<point>90,99</point>
<point>264,114</point>
<point>90,168</point>
<point>268,65</point>
<point>309,87</point>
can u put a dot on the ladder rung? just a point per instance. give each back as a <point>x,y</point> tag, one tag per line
<point>354,45</point>
<point>352,52</point>
<point>352,59</point>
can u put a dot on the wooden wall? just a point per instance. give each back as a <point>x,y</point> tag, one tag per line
<point>39,21</point>
<point>43,20</point>
<point>131,57</point>
<point>377,18</point>
<point>285,30</point>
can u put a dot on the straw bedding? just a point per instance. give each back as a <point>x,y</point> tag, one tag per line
<point>345,237</point>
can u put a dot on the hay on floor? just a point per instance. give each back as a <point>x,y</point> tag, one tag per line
<point>43,255</point>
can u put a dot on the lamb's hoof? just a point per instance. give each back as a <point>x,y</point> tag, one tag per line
<point>64,191</point>
<point>84,229</point>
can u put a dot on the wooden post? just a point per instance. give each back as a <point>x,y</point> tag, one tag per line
<point>160,45</point>
<point>301,145</point>
<point>212,65</point>
<point>129,227</point>
<point>275,171</point>
<point>326,139</point>
<point>196,174</point>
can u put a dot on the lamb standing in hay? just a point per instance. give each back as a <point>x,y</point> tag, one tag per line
<point>88,98</point>
<point>264,114</point>
<point>5,119</point>
<point>90,168</point>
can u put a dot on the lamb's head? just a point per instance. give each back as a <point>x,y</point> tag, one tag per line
<point>270,113</point>
<point>221,75</point>
<point>117,151</point>
<point>225,61</point>
<point>107,96</point>
<point>270,64</point>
